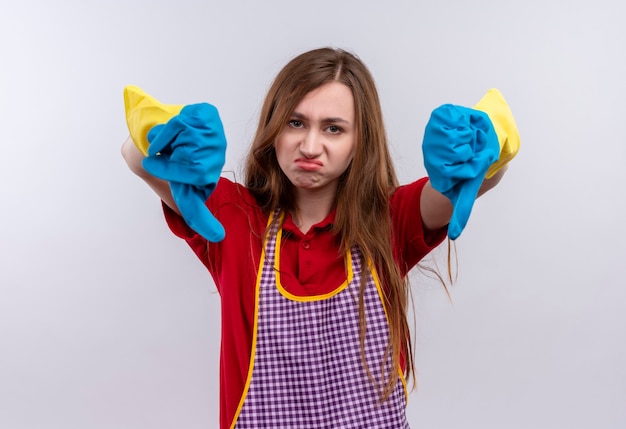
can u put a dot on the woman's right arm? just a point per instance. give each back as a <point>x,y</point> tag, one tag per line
<point>133,158</point>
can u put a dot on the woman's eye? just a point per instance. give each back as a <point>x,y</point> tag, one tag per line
<point>295,123</point>
<point>334,129</point>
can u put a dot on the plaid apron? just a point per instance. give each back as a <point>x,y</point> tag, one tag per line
<point>306,370</point>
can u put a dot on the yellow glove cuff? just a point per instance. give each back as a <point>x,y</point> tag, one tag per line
<point>494,105</point>
<point>144,112</point>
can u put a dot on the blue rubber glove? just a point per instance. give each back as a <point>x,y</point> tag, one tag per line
<point>460,144</point>
<point>189,152</point>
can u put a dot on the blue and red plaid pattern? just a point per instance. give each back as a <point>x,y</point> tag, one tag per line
<point>307,367</point>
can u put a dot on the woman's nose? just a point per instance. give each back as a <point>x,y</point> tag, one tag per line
<point>311,145</point>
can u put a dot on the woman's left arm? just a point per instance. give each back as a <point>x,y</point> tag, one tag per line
<point>436,208</point>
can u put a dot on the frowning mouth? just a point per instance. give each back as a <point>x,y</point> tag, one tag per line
<point>308,164</point>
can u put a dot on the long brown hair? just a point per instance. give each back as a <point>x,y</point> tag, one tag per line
<point>362,200</point>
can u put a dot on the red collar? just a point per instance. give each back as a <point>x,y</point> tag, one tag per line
<point>290,226</point>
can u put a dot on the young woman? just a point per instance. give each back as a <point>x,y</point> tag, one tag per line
<point>312,270</point>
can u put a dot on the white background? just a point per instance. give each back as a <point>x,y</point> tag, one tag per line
<point>108,321</point>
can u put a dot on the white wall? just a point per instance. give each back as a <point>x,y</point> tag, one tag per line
<point>108,321</point>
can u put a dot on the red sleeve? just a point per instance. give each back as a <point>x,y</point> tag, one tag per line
<point>411,240</point>
<point>180,229</point>
<point>235,208</point>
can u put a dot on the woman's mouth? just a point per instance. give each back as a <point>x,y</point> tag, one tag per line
<point>308,164</point>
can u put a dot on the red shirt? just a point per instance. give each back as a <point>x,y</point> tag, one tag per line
<point>311,264</point>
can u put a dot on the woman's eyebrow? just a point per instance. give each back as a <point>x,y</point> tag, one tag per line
<point>332,119</point>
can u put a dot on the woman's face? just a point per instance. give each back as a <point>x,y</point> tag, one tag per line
<point>316,146</point>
